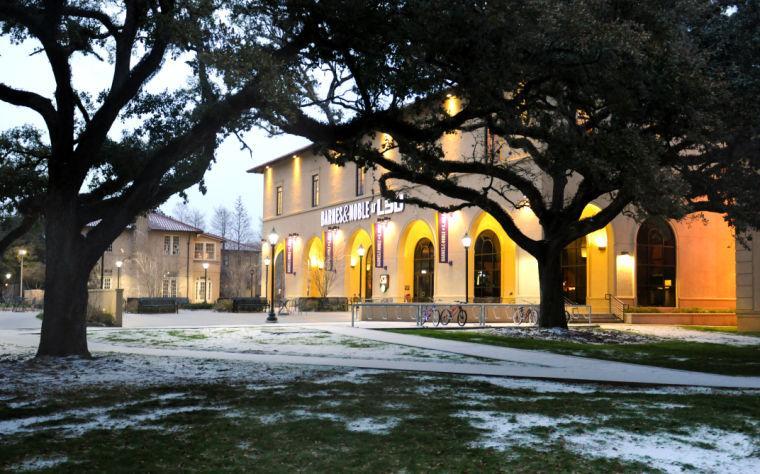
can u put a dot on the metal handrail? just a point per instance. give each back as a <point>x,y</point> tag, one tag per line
<point>617,306</point>
<point>356,307</point>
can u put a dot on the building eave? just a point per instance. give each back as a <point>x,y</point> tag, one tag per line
<point>260,169</point>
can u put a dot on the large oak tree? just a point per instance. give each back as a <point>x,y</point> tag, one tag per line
<point>79,169</point>
<point>639,107</point>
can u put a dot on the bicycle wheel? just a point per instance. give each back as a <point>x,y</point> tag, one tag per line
<point>517,316</point>
<point>436,315</point>
<point>568,316</point>
<point>462,317</point>
<point>445,316</point>
<point>532,316</point>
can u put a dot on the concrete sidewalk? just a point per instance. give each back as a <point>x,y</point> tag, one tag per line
<point>514,362</point>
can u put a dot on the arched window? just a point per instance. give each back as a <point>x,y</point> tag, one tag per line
<point>655,264</point>
<point>424,261</point>
<point>487,270</point>
<point>573,261</point>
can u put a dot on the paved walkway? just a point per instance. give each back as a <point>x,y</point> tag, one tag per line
<point>513,362</point>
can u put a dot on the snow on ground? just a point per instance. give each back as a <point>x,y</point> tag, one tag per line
<point>281,340</point>
<point>39,463</point>
<point>684,334</point>
<point>703,449</point>
<point>19,371</point>
<point>624,334</point>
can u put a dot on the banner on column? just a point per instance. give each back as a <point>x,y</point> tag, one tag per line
<point>329,245</point>
<point>443,238</point>
<point>289,244</point>
<point>379,244</point>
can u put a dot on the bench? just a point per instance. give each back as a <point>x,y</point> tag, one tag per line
<point>152,305</point>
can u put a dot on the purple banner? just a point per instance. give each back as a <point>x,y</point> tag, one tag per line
<point>289,243</point>
<point>443,238</point>
<point>379,244</point>
<point>329,245</point>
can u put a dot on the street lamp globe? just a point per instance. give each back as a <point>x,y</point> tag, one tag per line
<point>273,237</point>
<point>119,263</point>
<point>22,252</point>
<point>360,250</point>
<point>7,276</point>
<point>267,260</point>
<point>205,265</point>
<point>466,240</point>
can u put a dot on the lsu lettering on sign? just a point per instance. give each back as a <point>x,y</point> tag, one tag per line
<point>443,238</point>
<point>361,210</point>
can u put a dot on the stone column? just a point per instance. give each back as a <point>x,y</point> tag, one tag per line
<point>748,284</point>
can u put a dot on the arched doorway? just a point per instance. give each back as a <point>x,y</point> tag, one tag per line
<point>573,261</point>
<point>487,271</point>
<point>424,264</point>
<point>655,264</point>
<point>368,268</point>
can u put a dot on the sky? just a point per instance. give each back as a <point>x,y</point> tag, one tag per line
<point>227,178</point>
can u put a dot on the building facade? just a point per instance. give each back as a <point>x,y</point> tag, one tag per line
<point>328,216</point>
<point>161,256</point>
<point>241,269</point>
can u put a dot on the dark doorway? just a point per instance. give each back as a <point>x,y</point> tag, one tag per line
<point>487,270</point>
<point>279,277</point>
<point>655,264</point>
<point>424,261</point>
<point>369,265</point>
<point>574,258</point>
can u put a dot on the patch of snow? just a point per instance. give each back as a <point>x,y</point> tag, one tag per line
<point>39,463</point>
<point>685,334</point>
<point>704,450</point>
<point>373,425</point>
<point>356,376</point>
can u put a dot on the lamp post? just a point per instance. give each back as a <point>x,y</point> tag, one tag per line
<point>119,263</point>
<point>466,242</point>
<point>21,253</point>
<point>251,282</point>
<point>267,261</point>
<point>360,252</point>
<point>205,282</point>
<point>273,238</point>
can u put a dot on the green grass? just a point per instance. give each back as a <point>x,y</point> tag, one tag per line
<point>231,435</point>
<point>685,355</point>
<point>725,329</point>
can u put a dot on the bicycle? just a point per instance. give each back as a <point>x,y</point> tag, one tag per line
<point>455,310</point>
<point>574,316</point>
<point>525,314</point>
<point>429,313</point>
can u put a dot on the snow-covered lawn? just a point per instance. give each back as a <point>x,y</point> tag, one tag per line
<point>684,334</point>
<point>280,340</point>
<point>159,413</point>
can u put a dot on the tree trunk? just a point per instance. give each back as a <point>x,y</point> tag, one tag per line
<point>552,309</point>
<point>64,325</point>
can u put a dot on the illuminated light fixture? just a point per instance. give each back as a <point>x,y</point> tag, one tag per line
<point>466,240</point>
<point>22,252</point>
<point>321,265</point>
<point>205,265</point>
<point>119,263</point>
<point>7,276</point>
<point>353,262</point>
<point>295,157</point>
<point>360,251</point>
<point>668,283</point>
<point>267,261</point>
<point>598,238</point>
<point>424,272</point>
<point>273,237</point>
<point>313,261</point>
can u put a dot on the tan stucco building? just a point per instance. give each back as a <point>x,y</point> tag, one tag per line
<point>323,213</point>
<point>162,256</point>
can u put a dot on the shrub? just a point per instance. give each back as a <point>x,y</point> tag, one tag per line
<point>199,306</point>
<point>99,317</point>
<point>223,305</point>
